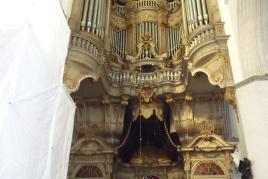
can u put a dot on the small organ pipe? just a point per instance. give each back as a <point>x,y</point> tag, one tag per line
<point>176,37</point>
<point>120,42</point>
<point>149,28</point>
<point>116,42</point>
<point>112,38</point>
<point>146,28</point>
<point>153,31</point>
<point>171,40</point>
<point>156,33</point>
<point>168,42</point>
<point>125,42</point>
<point>174,41</point>
<point>140,31</point>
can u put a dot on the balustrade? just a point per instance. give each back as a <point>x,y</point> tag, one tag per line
<point>203,35</point>
<point>156,78</point>
<point>88,45</point>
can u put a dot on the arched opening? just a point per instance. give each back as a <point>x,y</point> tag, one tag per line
<point>209,170</point>
<point>89,172</point>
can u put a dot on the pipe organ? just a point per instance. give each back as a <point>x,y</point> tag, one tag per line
<point>173,40</point>
<point>119,42</point>
<point>147,28</point>
<point>150,57</point>
<point>93,17</point>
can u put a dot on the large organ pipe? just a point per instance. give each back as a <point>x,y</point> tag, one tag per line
<point>184,15</point>
<point>204,9</point>
<point>89,15</point>
<point>194,13</point>
<point>199,12</point>
<point>102,19</point>
<point>84,18</point>
<point>106,23</point>
<point>98,17</point>
<point>188,15</point>
<point>191,14</point>
<point>95,12</point>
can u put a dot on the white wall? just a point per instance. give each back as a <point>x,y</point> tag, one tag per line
<point>246,22</point>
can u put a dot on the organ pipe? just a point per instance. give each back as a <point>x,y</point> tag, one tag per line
<point>84,18</point>
<point>204,9</point>
<point>199,12</point>
<point>89,16</point>
<point>191,14</point>
<point>194,13</point>
<point>168,42</point>
<point>185,26</point>
<point>98,18</point>
<point>95,15</point>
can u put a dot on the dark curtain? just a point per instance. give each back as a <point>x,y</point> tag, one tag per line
<point>152,132</point>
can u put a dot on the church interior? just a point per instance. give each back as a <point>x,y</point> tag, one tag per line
<point>133,89</point>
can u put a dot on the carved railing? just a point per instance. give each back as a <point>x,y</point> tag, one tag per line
<point>201,35</point>
<point>119,9</point>
<point>88,45</point>
<point>147,4</point>
<point>155,78</point>
<point>173,4</point>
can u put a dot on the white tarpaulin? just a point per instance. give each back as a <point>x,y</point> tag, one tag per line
<point>36,118</point>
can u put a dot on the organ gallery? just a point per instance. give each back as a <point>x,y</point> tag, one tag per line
<point>154,90</point>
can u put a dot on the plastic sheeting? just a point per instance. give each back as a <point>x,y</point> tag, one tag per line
<point>36,118</point>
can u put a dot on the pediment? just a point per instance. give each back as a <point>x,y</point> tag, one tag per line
<point>208,143</point>
<point>91,146</point>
